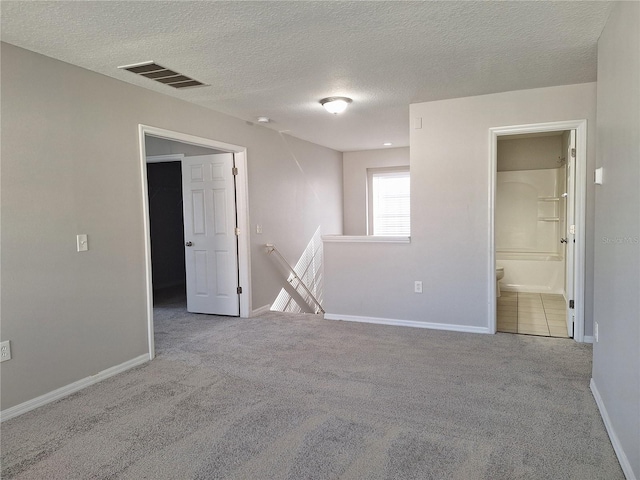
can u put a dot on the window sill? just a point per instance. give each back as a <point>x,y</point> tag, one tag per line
<point>364,239</point>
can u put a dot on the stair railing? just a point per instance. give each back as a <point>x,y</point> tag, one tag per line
<point>271,248</point>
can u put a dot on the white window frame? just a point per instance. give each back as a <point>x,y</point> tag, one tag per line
<point>371,172</point>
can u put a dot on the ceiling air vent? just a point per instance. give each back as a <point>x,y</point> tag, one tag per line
<point>156,72</point>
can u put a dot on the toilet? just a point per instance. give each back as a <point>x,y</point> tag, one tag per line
<point>499,276</point>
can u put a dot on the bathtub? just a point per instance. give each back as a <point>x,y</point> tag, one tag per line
<point>532,272</point>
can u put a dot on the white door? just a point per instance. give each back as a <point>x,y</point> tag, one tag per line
<point>569,234</point>
<point>211,248</point>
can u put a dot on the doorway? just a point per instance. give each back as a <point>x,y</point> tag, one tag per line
<point>166,226</point>
<point>537,214</point>
<point>209,154</point>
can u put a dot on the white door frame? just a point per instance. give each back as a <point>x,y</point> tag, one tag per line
<point>580,208</point>
<point>242,206</point>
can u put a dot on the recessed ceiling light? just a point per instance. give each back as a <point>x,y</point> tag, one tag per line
<point>335,105</point>
<point>387,144</point>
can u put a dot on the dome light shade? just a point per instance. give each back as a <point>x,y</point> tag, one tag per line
<point>335,105</point>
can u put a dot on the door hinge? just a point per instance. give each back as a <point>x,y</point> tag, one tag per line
<point>573,153</point>
<point>234,171</point>
<point>237,231</point>
<point>571,304</point>
<point>239,290</point>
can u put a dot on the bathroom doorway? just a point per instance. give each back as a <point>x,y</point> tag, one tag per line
<point>538,214</point>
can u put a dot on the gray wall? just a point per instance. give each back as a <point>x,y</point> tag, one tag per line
<point>355,165</point>
<point>70,164</point>
<point>162,146</point>
<point>532,153</point>
<point>616,356</point>
<point>449,248</point>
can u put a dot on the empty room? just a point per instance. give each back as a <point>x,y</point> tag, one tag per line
<point>320,240</point>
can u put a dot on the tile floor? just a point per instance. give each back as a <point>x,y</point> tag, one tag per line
<point>532,314</point>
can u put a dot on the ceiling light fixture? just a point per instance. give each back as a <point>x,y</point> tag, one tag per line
<point>335,105</point>
<point>264,119</point>
<point>387,144</point>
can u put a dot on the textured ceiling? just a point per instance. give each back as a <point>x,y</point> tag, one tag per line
<point>278,59</point>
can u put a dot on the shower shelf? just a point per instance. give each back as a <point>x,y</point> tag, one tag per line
<point>553,217</point>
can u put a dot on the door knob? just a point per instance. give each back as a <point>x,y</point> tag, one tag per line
<point>562,240</point>
<point>189,244</point>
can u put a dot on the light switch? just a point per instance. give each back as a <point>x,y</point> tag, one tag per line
<point>417,123</point>
<point>82,243</point>
<point>597,176</point>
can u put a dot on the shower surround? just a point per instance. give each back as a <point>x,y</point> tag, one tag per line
<point>530,220</point>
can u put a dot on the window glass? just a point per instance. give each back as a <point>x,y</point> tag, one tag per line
<point>389,202</point>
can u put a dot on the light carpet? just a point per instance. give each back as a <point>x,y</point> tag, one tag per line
<point>287,396</point>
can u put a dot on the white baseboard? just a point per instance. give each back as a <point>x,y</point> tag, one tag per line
<point>588,339</point>
<point>261,310</point>
<point>513,287</point>
<point>71,388</point>
<point>406,323</point>
<point>622,457</point>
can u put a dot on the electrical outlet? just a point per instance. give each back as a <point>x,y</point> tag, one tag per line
<point>595,331</point>
<point>258,229</point>
<point>417,286</point>
<point>5,351</point>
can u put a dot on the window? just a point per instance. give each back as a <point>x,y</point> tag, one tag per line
<point>389,201</point>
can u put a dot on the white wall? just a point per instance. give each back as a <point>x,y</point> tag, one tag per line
<point>355,165</point>
<point>616,356</point>
<point>70,165</point>
<point>527,203</point>
<point>449,249</point>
